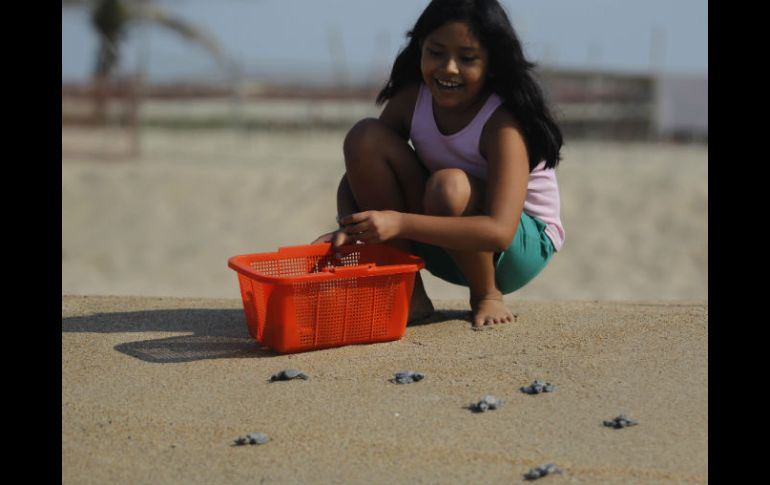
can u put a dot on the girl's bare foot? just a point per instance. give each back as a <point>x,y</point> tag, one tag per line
<point>489,310</point>
<point>420,307</point>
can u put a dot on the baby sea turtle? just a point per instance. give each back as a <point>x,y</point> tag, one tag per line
<point>541,471</point>
<point>537,387</point>
<point>288,374</point>
<point>620,422</point>
<point>407,377</point>
<point>252,439</point>
<point>488,402</point>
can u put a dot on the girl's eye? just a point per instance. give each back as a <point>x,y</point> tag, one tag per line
<point>468,59</point>
<point>434,53</point>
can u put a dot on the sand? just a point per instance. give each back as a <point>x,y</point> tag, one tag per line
<point>164,223</point>
<point>154,390</point>
<point>159,374</point>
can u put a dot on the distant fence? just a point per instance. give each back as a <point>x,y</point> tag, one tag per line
<point>587,104</point>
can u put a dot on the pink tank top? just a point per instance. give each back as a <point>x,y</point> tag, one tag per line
<point>461,150</point>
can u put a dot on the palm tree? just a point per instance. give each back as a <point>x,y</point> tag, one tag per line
<point>113,18</point>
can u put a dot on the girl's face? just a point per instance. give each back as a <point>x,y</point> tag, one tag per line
<point>454,65</point>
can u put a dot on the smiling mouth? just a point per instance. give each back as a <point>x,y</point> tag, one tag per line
<point>449,85</point>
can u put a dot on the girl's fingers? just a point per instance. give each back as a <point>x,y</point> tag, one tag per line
<point>340,239</point>
<point>354,229</point>
<point>354,218</point>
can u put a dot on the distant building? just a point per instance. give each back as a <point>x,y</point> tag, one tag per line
<point>594,104</point>
<point>682,108</point>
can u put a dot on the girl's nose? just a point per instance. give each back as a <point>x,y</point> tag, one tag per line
<point>451,66</point>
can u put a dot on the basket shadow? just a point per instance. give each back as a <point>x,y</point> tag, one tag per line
<point>216,334</point>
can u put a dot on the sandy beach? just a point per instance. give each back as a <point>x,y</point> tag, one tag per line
<point>155,390</point>
<point>159,374</point>
<point>164,223</point>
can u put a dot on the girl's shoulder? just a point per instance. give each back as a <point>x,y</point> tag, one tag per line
<point>399,109</point>
<point>501,119</point>
<point>406,97</point>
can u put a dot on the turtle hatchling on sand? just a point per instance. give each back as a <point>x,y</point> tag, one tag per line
<point>407,377</point>
<point>288,374</point>
<point>488,402</point>
<point>252,439</point>
<point>620,422</point>
<point>537,387</point>
<point>541,471</point>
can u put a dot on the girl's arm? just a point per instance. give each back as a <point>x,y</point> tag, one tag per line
<point>508,175</point>
<point>397,113</point>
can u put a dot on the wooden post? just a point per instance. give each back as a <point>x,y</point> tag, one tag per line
<point>134,100</point>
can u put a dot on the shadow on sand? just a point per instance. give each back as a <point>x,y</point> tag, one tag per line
<point>215,333</point>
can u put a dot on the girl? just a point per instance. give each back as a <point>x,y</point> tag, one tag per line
<point>477,196</point>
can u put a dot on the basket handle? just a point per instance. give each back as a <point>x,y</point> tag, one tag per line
<point>359,270</point>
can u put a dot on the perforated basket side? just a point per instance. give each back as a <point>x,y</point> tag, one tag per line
<point>321,311</point>
<point>383,307</point>
<point>349,310</point>
<point>283,266</point>
<point>306,311</point>
<point>311,297</point>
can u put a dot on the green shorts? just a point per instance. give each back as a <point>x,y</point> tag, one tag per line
<point>529,252</point>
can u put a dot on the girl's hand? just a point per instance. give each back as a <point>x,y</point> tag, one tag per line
<point>337,238</point>
<point>372,227</point>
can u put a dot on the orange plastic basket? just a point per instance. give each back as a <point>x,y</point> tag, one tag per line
<point>313,297</point>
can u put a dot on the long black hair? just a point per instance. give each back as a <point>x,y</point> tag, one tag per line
<point>510,75</point>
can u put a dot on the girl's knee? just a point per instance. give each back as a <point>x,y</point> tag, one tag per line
<point>447,193</point>
<point>363,137</point>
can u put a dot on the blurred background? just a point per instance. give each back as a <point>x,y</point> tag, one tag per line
<point>193,131</point>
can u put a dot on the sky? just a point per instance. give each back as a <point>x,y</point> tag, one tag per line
<point>327,41</point>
